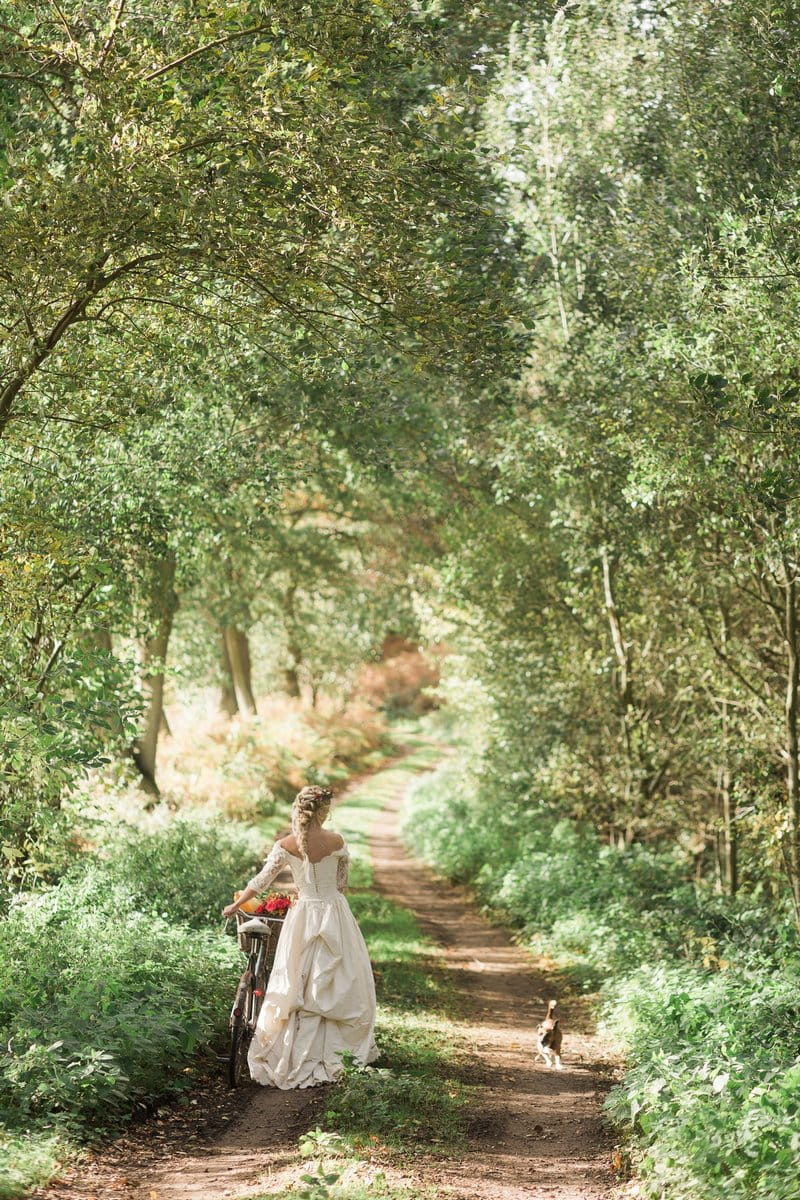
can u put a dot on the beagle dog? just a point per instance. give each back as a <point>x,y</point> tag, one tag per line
<point>548,1039</point>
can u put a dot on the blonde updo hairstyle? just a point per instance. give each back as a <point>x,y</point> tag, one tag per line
<point>312,803</point>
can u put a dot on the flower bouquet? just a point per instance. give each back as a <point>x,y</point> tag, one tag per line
<point>276,905</point>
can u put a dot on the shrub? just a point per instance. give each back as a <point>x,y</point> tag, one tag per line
<point>184,871</point>
<point>107,992</point>
<point>250,769</point>
<point>711,1023</point>
<point>402,683</point>
<point>101,1008</point>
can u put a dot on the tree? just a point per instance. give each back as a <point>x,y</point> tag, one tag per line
<point>230,170</point>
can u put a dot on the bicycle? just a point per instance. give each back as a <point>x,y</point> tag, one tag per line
<point>258,938</point>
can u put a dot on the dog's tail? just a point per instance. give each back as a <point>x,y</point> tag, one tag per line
<point>551,1008</point>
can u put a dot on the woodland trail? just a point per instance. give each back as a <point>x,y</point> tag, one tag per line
<point>534,1134</point>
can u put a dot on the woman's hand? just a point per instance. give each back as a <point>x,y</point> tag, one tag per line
<point>230,910</point>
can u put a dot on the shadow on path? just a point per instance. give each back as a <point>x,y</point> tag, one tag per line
<point>534,1133</point>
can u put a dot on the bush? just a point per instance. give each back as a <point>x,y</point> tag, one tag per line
<point>402,683</point>
<point>711,1023</point>
<point>250,769</point>
<point>101,1008</point>
<point>107,992</point>
<point>713,1093</point>
<point>184,871</point>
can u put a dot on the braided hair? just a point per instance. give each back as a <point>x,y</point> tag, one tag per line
<point>308,805</point>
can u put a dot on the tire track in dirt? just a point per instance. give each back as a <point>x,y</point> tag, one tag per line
<point>535,1134</point>
<point>226,1144</point>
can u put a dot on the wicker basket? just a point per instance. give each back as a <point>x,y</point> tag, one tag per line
<point>248,940</point>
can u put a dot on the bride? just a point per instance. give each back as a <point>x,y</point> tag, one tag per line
<point>320,1001</point>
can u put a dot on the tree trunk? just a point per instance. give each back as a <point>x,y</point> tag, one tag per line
<point>730,845</point>
<point>227,692</point>
<point>292,680</point>
<point>623,685</point>
<point>728,851</point>
<point>290,674</point>
<point>74,311</point>
<point>100,639</point>
<point>153,655</point>
<point>792,850</point>
<point>238,653</point>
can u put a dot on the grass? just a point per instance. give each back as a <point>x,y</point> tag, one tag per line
<point>409,1104</point>
<point>356,815</point>
<point>322,1184</point>
<point>113,932</point>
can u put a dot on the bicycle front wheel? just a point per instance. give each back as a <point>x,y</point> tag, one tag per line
<point>237,1057</point>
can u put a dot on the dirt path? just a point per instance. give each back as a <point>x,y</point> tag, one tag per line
<point>220,1144</point>
<point>536,1133</point>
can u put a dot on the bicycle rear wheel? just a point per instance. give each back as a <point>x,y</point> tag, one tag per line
<point>241,1029</point>
<point>237,1056</point>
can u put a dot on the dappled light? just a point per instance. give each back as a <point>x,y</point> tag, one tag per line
<point>399,452</point>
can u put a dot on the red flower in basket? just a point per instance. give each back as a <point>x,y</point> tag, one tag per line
<point>277,904</point>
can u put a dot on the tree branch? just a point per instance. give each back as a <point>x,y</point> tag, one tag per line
<point>231,37</point>
<point>112,32</point>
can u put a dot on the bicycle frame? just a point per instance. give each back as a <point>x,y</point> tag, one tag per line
<point>250,995</point>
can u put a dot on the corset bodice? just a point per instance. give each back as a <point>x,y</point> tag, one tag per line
<point>323,880</point>
<point>315,881</point>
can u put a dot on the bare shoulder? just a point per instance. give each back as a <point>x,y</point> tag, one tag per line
<point>336,840</point>
<point>290,843</point>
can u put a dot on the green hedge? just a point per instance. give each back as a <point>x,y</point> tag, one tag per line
<point>704,992</point>
<point>109,983</point>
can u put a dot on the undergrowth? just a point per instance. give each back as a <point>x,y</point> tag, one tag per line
<point>111,982</point>
<point>410,1102</point>
<point>114,978</point>
<point>701,991</point>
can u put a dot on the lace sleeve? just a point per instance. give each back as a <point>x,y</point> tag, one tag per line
<point>342,870</point>
<point>273,865</point>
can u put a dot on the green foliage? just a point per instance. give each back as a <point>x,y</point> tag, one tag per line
<point>26,1162</point>
<point>621,582</point>
<point>110,983</point>
<point>325,1187</point>
<point>50,740</point>
<point>179,872</point>
<point>702,990</point>
<point>712,1092</point>
<point>397,1109</point>
<point>239,249</point>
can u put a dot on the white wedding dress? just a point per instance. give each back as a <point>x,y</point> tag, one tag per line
<point>320,1000</point>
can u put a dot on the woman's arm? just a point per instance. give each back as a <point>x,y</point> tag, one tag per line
<point>273,865</point>
<point>343,870</point>
<point>246,895</point>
